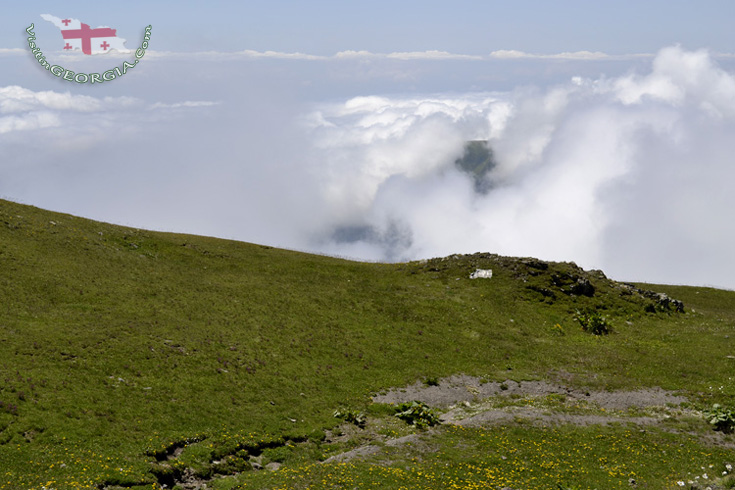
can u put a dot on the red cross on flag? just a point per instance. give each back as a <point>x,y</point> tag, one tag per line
<point>78,35</point>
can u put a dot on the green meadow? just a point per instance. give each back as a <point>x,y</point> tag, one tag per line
<point>141,359</point>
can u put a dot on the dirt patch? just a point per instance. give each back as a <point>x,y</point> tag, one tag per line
<point>353,453</point>
<point>468,401</point>
<point>462,388</point>
<point>537,417</point>
<point>371,448</point>
<point>411,438</point>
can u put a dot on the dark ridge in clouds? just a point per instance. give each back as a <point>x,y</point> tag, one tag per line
<point>629,171</point>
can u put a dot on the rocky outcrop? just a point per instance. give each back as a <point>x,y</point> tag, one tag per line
<point>661,301</point>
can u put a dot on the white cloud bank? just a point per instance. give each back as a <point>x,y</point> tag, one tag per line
<point>15,99</point>
<point>22,109</point>
<point>633,174</point>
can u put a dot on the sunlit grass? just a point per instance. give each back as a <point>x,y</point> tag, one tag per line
<point>518,457</point>
<point>115,341</point>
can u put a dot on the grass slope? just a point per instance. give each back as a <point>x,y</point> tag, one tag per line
<point>119,346</point>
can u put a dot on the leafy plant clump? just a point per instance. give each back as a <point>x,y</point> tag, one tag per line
<point>418,414</point>
<point>594,323</point>
<point>351,416</point>
<point>723,419</point>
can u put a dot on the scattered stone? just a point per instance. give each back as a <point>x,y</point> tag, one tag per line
<point>349,455</point>
<point>411,438</point>
<point>598,273</point>
<point>535,263</point>
<point>573,284</point>
<point>482,274</point>
<point>583,288</point>
<point>662,300</point>
<point>274,466</point>
<point>545,292</point>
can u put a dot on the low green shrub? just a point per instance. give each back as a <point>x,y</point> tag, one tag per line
<point>351,416</point>
<point>593,322</point>
<point>723,419</point>
<point>417,413</point>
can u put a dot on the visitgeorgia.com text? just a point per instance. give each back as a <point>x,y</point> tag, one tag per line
<point>64,74</point>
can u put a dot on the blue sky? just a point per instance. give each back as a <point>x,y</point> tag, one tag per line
<point>471,27</point>
<point>333,127</point>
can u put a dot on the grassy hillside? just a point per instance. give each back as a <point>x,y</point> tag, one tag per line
<point>131,358</point>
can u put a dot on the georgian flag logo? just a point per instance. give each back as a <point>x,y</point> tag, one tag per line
<point>78,35</point>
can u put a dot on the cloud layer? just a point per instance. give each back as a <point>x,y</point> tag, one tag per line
<point>630,172</point>
<point>429,55</point>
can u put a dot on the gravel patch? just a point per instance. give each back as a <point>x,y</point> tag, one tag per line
<point>537,417</point>
<point>354,453</point>
<point>462,388</point>
<point>461,398</point>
